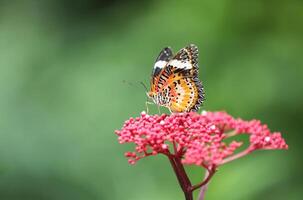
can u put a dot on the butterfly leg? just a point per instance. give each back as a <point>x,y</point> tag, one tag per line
<point>146,104</point>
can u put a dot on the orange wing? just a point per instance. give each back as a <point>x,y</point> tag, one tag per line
<point>186,95</point>
<point>177,82</point>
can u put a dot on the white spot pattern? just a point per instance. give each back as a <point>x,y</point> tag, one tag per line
<point>160,64</point>
<point>180,64</point>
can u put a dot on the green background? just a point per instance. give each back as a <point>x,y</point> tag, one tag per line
<point>69,77</point>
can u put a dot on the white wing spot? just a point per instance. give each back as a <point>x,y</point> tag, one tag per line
<point>160,64</point>
<point>180,64</point>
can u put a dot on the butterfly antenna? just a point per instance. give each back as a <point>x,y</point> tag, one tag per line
<point>127,82</point>
<point>147,102</point>
<point>146,90</point>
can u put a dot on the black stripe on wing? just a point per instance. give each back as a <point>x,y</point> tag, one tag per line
<point>165,55</point>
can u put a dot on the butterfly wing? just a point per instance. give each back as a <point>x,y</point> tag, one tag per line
<point>186,60</point>
<point>175,82</point>
<point>186,95</point>
<point>180,83</point>
<point>161,62</point>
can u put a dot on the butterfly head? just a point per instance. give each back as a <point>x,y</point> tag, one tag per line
<point>156,98</point>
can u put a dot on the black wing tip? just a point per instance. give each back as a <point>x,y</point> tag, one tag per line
<point>165,54</point>
<point>193,48</point>
<point>167,50</point>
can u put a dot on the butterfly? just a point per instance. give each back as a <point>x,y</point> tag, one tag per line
<point>174,82</point>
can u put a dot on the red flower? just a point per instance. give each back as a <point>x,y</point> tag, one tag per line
<point>197,138</point>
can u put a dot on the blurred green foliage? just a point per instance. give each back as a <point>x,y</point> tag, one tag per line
<point>69,76</point>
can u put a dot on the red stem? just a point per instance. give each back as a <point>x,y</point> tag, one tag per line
<point>236,156</point>
<point>209,174</point>
<point>181,176</point>
<point>183,179</point>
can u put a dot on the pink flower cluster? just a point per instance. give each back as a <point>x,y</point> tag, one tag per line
<point>198,139</point>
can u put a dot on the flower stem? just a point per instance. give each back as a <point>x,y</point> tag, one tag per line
<point>236,156</point>
<point>181,176</point>
<point>207,177</point>
<point>184,181</point>
<point>231,134</point>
